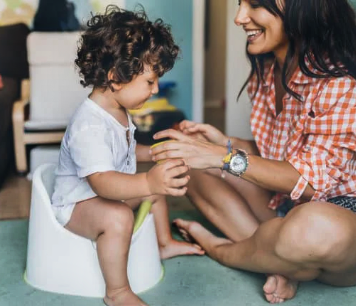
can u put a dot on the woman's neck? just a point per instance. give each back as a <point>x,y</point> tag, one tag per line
<point>290,69</point>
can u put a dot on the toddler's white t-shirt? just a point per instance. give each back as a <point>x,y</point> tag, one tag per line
<point>93,142</point>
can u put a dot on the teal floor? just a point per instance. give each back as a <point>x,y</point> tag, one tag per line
<point>188,281</point>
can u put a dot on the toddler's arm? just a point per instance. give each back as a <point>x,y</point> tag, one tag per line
<point>166,179</point>
<point>142,153</point>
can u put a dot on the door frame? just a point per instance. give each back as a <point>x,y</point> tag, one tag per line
<point>198,54</point>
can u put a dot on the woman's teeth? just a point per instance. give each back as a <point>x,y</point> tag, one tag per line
<point>253,33</point>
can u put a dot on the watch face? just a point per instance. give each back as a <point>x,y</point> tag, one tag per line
<point>238,164</point>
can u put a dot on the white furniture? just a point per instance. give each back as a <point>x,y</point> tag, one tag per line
<point>41,155</point>
<point>51,95</point>
<point>62,262</point>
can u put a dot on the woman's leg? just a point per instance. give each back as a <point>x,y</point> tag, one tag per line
<point>167,245</point>
<point>110,224</point>
<point>234,206</point>
<point>314,241</point>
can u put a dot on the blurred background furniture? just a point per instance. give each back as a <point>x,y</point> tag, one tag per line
<point>13,68</point>
<point>53,94</point>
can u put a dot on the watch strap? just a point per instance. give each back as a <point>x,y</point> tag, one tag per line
<point>226,160</point>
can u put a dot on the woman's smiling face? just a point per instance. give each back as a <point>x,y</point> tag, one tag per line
<point>265,31</point>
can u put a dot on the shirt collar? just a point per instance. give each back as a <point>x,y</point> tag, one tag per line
<point>298,77</point>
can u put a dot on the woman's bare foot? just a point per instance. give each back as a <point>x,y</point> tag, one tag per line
<point>123,298</point>
<point>176,248</point>
<point>178,225</point>
<point>195,233</point>
<point>278,288</point>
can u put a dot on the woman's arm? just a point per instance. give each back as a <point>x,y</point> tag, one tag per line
<point>209,133</point>
<point>272,175</point>
<point>247,145</point>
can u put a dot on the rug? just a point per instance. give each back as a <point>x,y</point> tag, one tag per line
<point>188,280</point>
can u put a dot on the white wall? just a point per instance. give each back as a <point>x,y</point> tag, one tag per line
<point>119,3</point>
<point>237,70</point>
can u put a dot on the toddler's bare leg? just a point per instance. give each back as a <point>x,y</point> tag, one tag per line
<point>168,246</point>
<point>110,224</point>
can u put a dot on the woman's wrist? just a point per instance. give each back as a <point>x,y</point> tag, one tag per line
<point>221,152</point>
<point>225,141</point>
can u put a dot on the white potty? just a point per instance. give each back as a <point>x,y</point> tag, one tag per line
<point>62,262</point>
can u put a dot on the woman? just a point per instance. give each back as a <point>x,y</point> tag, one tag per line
<point>302,162</point>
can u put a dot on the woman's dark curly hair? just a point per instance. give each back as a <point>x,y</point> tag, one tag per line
<point>122,42</point>
<point>321,31</point>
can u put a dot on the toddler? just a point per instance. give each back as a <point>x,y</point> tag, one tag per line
<point>121,55</point>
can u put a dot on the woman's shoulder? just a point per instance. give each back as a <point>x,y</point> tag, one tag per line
<point>343,83</point>
<point>337,93</point>
<point>337,87</point>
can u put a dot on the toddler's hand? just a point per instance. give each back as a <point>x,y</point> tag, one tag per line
<point>168,178</point>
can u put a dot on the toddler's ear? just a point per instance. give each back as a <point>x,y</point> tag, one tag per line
<point>113,84</point>
<point>116,86</point>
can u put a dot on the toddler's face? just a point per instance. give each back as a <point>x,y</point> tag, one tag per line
<point>134,94</point>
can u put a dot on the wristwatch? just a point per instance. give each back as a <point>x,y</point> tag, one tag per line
<point>238,163</point>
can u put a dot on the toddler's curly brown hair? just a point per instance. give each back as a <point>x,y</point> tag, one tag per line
<point>123,41</point>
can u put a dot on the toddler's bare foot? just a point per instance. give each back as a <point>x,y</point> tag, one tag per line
<point>176,248</point>
<point>123,298</point>
<point>278,288</point>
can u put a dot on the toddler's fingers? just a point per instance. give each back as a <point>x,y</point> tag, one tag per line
<point>174,164</point>
<point>177,192</point>
<point>178,170</point>
<point>180,182</point>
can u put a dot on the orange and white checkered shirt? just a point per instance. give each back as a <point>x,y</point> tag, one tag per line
<point>317,135</point>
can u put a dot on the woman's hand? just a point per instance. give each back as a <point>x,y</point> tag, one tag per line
<point>168,178</point>
<point>203,132</point>
<point>195,153</point>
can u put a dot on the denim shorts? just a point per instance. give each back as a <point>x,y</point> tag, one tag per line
<point>342,201</point>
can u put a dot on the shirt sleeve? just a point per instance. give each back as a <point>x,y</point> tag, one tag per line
<point>327,157</point>
<point>91,151</point>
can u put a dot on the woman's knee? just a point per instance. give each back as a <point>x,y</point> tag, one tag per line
<point>204,184</point>
<point>314,230</point>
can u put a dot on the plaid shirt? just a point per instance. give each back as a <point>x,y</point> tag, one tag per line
<point>317,135</point>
